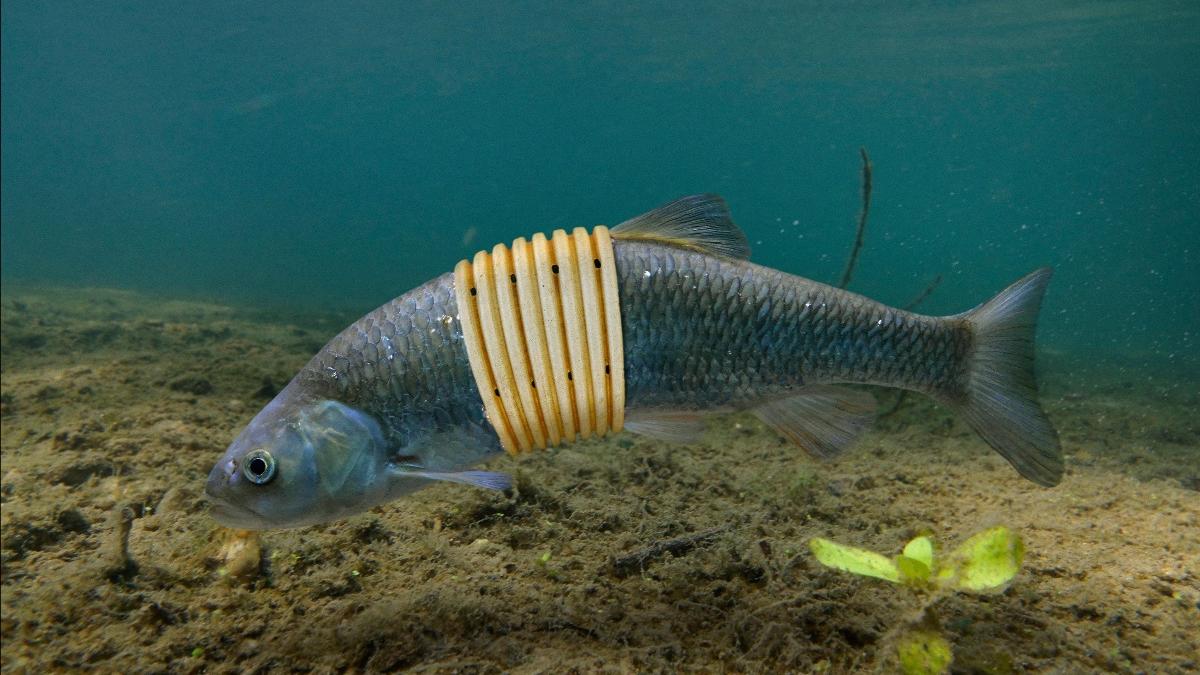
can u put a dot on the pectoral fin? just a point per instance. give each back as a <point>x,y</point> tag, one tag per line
<point>823,420</point>
<point>490,480</point>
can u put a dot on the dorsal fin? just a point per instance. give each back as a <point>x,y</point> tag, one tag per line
<point>697,223</point>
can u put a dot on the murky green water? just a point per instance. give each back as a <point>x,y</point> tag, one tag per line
<point>330,155</point>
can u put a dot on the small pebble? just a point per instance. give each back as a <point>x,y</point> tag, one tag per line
<point>241,554</point>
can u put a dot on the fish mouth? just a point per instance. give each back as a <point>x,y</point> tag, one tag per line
<point>238,517</point>
<point>229,514</point>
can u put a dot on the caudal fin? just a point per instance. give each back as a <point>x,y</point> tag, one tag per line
<point>1000,400</point>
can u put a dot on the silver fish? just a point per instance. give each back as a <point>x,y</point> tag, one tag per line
<point>390,404</point>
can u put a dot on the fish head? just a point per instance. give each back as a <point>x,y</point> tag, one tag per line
<point>301,460</point>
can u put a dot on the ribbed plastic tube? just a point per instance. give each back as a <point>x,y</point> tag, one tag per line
<point>542,325</point>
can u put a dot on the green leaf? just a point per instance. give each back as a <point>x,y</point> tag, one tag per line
<point>986,561</point>
<point>924,653</point>
<point>912,571</point>
<point>920,548</point>
<point>854,560</point>
<point>916,563</point>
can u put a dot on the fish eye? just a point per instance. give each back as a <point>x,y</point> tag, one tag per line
<point>258,467</point>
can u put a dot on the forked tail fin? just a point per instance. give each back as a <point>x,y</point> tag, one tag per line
<point>1000,400</point>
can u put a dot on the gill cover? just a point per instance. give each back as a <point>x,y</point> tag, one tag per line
<point>344,441</point>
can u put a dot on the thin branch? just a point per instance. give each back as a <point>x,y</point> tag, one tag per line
<point>636,561</point>
<point>923,294</point>
<point>862,220</point>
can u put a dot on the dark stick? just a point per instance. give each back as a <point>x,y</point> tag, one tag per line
<point>862,220</point>
<point>923,294</point>
<point>636,561</point>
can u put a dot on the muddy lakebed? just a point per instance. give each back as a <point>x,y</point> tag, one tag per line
<point>620,555</point>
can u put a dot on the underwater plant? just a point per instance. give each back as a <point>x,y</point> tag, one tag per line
<point>984,563</point>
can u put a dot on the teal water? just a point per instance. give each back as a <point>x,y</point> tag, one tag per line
<point>330,155</point>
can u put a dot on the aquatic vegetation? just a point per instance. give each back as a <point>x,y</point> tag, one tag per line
<point>923,651</point>
<point>986,562</point>
<point>543,564</point>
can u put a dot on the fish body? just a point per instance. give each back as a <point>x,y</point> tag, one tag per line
<point>390,405</point>
<point>704,331</point>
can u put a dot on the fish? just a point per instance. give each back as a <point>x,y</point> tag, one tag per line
<point>394,403</point>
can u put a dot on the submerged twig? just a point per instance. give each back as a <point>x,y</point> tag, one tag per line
<point>852,261</point>
<point>636,561</point>
<point>923,294</point>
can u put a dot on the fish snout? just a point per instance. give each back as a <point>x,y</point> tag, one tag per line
<point>220,479</point>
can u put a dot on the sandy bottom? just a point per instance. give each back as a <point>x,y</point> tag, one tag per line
<point>115,405</point>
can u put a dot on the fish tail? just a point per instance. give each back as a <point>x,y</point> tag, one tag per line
<point>999,399</point>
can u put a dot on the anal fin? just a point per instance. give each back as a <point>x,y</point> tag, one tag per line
<point>823,420</point>
<point>673,426</point>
